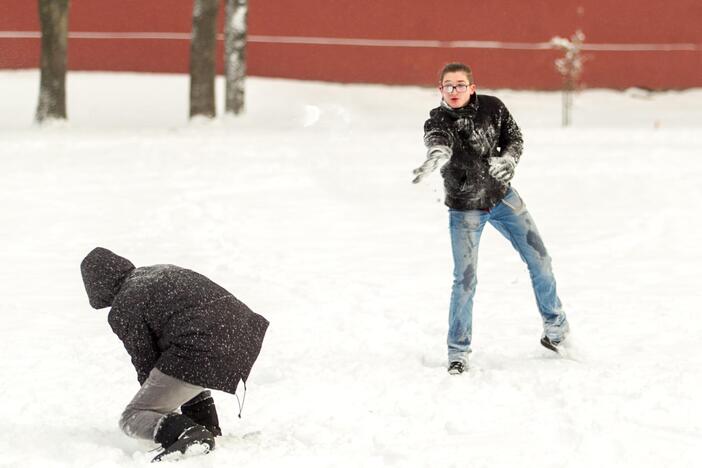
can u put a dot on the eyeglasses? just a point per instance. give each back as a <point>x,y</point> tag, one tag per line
<point>460,88</point>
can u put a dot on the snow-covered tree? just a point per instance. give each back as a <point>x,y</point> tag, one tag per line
<point>570,67</point>
<point>202,58</point>
<point>235,55</point>
<point>53,16</point>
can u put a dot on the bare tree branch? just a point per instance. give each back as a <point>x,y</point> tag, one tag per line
<point>570,67</point>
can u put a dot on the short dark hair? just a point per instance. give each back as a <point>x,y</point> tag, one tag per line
<point>456,67</point>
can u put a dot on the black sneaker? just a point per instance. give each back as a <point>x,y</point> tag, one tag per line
<point>456,367</point>
<point>550,344</point>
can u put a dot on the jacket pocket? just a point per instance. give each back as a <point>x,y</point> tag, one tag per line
<point>454,178</point>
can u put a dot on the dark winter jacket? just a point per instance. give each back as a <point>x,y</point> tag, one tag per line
<point>481,129</point>
<point>176,320</point>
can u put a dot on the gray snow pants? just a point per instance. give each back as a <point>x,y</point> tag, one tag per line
<point>160,395</point>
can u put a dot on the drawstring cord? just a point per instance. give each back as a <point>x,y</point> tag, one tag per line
<point>242,401</point>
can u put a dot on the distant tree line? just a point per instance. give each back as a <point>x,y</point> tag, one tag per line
<point>53,17</point>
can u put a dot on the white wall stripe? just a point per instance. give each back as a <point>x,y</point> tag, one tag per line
<point>359,42</point>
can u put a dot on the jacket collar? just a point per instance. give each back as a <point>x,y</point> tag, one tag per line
<point>469,109</point>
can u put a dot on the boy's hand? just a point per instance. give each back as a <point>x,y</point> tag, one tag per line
<point>435,156</point>
<point>502,168</point>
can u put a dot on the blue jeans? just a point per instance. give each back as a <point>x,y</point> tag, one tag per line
<point>511,218</point>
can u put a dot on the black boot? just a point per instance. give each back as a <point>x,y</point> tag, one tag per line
<point>177,433</point>
<point>202,410</point>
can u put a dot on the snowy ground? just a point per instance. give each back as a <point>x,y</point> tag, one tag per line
<point>304,210</point>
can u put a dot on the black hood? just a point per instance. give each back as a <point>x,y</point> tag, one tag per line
<point>103,274</point>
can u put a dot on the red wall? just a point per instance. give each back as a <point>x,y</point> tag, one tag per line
<point>511,21</point>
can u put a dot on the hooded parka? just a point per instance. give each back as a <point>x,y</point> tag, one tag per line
<point>176,320</point>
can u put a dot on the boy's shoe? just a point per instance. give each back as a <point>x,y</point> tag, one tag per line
<point>194,441</point>
<point>178,434</point>
<point>456,367</point>
<point>550,344</point>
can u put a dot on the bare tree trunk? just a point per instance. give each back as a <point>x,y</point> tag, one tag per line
<point>53,15</point>
<point>567,100</point>
<point>202,58</point>
<point>567,103</point>
<point>235,55</point>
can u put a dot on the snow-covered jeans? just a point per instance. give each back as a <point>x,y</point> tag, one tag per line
<point>160,395</point>
<point>511,218</point>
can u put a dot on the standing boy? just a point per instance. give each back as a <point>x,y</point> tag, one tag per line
<point>185,334</point>
<point>482,144</point>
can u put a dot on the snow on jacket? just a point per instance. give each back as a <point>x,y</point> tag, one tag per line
<point>482,129</point>
<point>176,320</point>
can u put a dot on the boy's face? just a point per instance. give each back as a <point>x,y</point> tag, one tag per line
<point>455,89</point>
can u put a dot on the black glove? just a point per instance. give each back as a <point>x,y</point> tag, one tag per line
<point>202,410</point>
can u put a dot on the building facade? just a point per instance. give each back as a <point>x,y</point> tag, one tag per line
<point>628,43</point>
